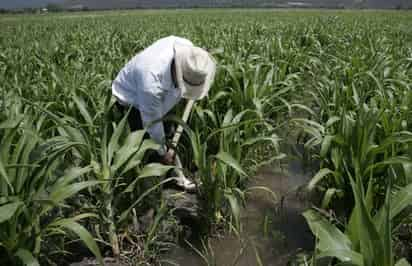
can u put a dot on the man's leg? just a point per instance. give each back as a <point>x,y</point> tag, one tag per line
<point>134,119</point>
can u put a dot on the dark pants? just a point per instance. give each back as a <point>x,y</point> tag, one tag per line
<point>135,123</point>
<point>134,118</point>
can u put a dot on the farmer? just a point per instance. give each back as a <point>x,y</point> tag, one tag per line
<point>155,80</point>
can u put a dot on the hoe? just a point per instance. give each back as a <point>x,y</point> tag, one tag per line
<point>178,133</point>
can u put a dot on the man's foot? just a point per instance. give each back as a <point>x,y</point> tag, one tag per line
<point>186,184</point>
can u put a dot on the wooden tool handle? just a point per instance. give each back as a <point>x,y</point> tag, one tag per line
<point>179,131</point>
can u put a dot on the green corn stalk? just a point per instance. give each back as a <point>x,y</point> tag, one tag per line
<point>31,191</point>
<point>368,246</point>
<point>111,160</point>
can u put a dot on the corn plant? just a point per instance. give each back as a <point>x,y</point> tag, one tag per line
<point>217,155</point>
<point>357,144</point>
<point>338,81</point>
<point>33,188</point>
<point>118,163</point>
<point>367,239</point>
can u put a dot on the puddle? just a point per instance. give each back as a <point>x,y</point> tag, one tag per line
<point>271,233</point>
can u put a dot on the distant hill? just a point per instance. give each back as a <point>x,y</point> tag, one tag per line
<point>110,4</point>
<point>15,4</point>
<point>122,4</point>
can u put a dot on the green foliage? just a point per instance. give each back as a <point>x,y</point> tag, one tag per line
<point>368,237</point>
<point>32,189</point>
<point>339,81</point>
<point>117,161</point>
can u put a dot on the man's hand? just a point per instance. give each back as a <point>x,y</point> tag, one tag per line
<point>169,157</point>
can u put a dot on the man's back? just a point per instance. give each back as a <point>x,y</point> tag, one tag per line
<point>154,62</point>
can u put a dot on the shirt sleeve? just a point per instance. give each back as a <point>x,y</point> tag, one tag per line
<point>151,111</point>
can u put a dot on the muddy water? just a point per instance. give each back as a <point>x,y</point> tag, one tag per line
<point>272,233</point>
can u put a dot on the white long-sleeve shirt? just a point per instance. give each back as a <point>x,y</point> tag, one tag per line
<point>146,83</point>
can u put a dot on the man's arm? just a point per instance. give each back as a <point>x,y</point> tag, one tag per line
<point>151,108</point>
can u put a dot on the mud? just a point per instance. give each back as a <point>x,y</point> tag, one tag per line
<point>273,232</point>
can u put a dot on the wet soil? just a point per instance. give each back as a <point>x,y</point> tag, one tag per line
<point>273,232</point>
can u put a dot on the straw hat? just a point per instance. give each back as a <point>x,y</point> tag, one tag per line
<point>195,71</point>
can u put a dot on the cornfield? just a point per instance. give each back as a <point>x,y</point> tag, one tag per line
<point>338,82</point>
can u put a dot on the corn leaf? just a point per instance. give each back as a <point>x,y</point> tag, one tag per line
<point>81,105</point>
<point>400,200</point>
<point>8,210</point>
<point>230,161</point>
<point>331,239</point>
<point>27,257</point>
<point>125,214</point>
<point>114,140</point>
<point>4,176</point>
<point>11,123</point>
<point>150,170</point>
<point>155,169</point>
<point>371,245</point>
<point>326,142</point>
<point>136,159</point>
<point>234,205</point>
<point>83,234</point>
<point>322,173</point>
<point>60,193</point>
<point>346,256</point>
<point>129,148</point>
